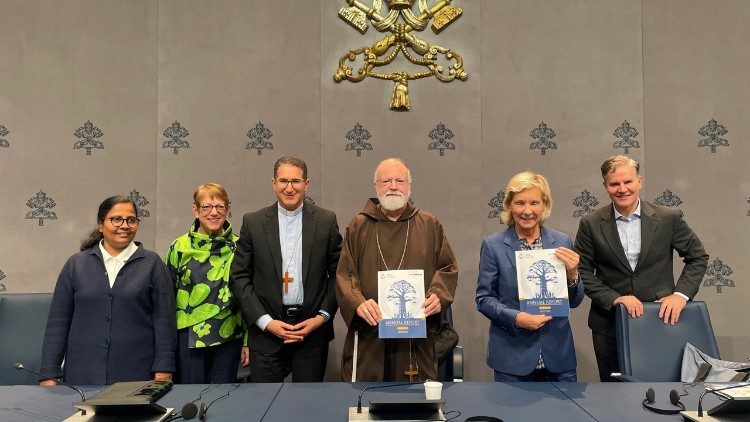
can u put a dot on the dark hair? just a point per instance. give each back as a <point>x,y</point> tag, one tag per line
<point>292,161</point>
<point>95,235</point>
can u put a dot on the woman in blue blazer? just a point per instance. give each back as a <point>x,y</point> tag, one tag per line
<point>524,346</point>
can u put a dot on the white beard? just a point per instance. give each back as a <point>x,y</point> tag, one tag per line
<point>393,202</point>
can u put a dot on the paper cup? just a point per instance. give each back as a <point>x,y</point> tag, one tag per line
<point>433,390</point>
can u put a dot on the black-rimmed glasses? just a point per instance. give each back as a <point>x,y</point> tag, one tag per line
<point>117,221</point>
<point>219,208</point>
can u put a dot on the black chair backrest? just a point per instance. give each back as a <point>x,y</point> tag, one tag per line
<point>651,351</point>
<point>23,318</point>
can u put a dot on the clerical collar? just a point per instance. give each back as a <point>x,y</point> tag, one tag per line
<point>637,212</point>
<point>288,213</point>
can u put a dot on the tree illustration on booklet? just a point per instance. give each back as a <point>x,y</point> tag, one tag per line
<point>41,205</point>
<point>88,135</point>
<point>2,286</point>
<point>260,135</point>
<point>542,273</point>
<point>4,132</point>
<point>441,135</point>
<point>716,275</point>
<point>176,134</point>
<point>543,134</point>
<point>401,294</point>
<point>359,136</point>
<point>626,134</point>
<point>713,132</point>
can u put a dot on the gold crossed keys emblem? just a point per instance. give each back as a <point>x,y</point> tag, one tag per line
<point>401,39</point>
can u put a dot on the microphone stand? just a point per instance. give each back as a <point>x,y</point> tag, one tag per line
<point>19,366</point>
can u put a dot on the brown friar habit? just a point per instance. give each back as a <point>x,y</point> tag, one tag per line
<point>356,281</point>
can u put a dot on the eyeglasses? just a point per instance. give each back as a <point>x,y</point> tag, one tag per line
<point>387,182</point>
<point>221,209</point>
<point>283,183</point>
<point>117,221</point>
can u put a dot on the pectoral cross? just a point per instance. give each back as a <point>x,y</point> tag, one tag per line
<point>286,281</point>
<point>411,373</point>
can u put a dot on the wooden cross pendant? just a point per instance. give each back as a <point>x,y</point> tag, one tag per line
<point>411,373</point>
<point>287,280</point>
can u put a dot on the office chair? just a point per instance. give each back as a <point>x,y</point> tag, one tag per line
<point>23,319</point>
<point>451,368</point>
<point>651,351</point>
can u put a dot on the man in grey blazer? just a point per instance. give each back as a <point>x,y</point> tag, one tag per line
<point>282,276</point>
<point>626,253</point>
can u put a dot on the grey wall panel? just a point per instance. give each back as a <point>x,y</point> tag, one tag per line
<point>695,56</point>
<point>59,60</point>
<point>582,67</point>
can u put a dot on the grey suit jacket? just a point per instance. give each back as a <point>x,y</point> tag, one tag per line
<point>607,275</point>
<point>256,272</point>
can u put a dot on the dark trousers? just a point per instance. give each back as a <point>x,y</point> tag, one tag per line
<point>538,375</point>
<point>605,349</point>
<point>305,363</point>
<point>204,365</point>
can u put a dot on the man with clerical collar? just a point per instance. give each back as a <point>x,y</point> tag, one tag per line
<point>282,276</point>
<point>392,234</point>
<point>626,253</point>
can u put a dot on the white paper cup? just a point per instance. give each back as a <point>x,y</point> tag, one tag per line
<point>433,390</point>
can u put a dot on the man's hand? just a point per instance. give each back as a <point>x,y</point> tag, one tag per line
<point>531,322</point>
<point>307,326</point>
<point>632,304</point>
<point>283,331</point>
<point>48,383</point>
<point>570,259</point>
<point>162,376</point>
<point>431,305</point>
<point>670,308</point>
<point>245,356</point>
<point>370,312</point>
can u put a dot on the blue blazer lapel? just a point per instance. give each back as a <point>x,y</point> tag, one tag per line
<point>271,229</point>
<point>609,230</point>
<point>649,223</point>
<point>512,244</point>
<point>548,241</point>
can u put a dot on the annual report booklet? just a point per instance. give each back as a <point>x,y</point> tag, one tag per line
<point>542,283</point>
<point>400,298</point>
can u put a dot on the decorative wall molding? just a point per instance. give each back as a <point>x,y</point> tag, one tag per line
<point>40,205</point>
<point>496,205</point>
<point>359,136</point>
<point>713,132</point>
<point>402,39</point>
<point>176,135</point>
<point>626,134</point>
<point>89,137</point>
<point>543,134</point>
<point>668,199</point>
<point>259,136</point>
<point>440,136</point>
<point>717,275</point>
<point>585,202</point>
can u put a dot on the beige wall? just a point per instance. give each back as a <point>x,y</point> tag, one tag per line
<point>132,68</point>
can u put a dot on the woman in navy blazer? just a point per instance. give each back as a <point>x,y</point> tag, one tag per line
<point>524,346</point>
<point>108,324</point>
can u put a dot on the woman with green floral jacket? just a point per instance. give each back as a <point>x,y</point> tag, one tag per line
<point>211,333</point>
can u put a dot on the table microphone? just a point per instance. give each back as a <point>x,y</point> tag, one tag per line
<point>700,400</point>
<point>19,366</point>
<point>359,400</point>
